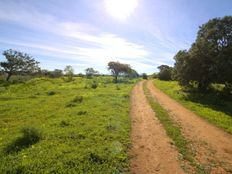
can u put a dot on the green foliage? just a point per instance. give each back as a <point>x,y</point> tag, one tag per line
<point>117,87</point>
<point>75,101</point>
<point>90,72</point>
<point>154,75</point>
<point>64,123</point>
<point>133,74</point>
<point>70,104</point>
<point>78,99</point>
<point>144,76</point>
<point>51,92</point>
<point>165,72</point>
<point>118,68</point>
<point>69,72</point>
<point>209,105</point>
<point>77,136</point>
<point>94,85</point>
<point>18,63</point>
<point>53,74</point>
<point>30,136</point>
<point>81,112</point>
<point>209,60</point>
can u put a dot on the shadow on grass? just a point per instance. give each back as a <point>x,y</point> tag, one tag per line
<point>30,136</point>
<point>212,99</point>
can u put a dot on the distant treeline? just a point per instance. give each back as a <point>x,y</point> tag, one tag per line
<point>22,64</point>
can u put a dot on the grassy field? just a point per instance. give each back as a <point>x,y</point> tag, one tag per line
<point>209,106</point>
<point>68,127</point>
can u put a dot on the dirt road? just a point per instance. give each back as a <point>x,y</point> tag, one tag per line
<point>213,146</point>
<point>151,148</point>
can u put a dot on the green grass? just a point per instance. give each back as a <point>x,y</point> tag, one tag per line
<point>83,130</point>
<point>209,106</point>
<point>174,132</point>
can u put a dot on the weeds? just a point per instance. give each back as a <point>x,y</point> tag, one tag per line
<point>51,93</point>
<point>78,99</point>
<point>64,123</point>
<point>82,113</point>
<point>94,85</point>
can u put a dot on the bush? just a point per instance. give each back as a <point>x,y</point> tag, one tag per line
<point>82,113</point>
<point>51,92</point>
<point>144,76</point>
<point>94,85</point>
<point>69,105</point>
<point>78,99</point>
<point>165,72</point>
<point>73,102</point>
<point>64,123</point>
<point>30,136</point>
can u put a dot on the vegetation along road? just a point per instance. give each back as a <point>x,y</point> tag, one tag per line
<point>203,148</point>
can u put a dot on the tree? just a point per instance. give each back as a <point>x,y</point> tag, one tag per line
<point>165,72</point>
<point>69,71</point>
<point>56,73</point>
<point>18,63</point>
<point>154,75</point>
<point>118,68</point>
<point>144,76</point>
<point>44,72</point>
<point>90,72</point>
<point>182,69</point>
<point>133,74</point>
<point>209,60</point>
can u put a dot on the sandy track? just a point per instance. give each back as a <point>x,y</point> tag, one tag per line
<point>213,146</point>
<point>151,149</point>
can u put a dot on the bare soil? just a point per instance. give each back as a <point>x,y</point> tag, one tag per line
<point>212,146</point>
<point>152,151</point>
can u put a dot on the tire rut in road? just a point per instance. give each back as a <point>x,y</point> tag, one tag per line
<point>151,149</point>
<point>213,146</point>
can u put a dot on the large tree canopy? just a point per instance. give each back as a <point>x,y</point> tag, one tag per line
<point>165,72</point>
<point>209,60</point>
<point>118,68</point>
<point>18,63</point>
<point>90,72</point>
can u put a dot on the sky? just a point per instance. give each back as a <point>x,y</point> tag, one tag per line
<point>91,33</point>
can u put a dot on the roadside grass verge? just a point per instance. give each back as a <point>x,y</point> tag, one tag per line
<point>92,136</point>
<point>174,132</point>
<point>209,105</point>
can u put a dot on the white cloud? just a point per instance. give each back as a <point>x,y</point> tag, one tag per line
<point>101,46</point>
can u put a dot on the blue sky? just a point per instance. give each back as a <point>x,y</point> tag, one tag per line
<point>84,33</point>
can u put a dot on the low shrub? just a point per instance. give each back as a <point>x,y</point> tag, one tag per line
<point>70,104</point>
<point>144,76</point>
<point>117,87</point>
<point>51,93</point>
<point>82,113</point>
<point>94,85</point>
<point>78,99</point>
<point>64,123</point>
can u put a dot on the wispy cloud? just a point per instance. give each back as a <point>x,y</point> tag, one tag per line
<point>100,47</point>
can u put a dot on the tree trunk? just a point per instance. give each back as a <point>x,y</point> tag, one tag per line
<point>116,78</point>
<point>8,76</point>
<point>202,86</point>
